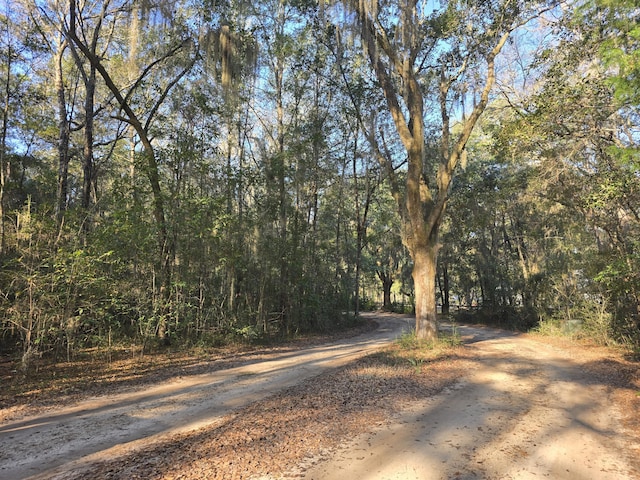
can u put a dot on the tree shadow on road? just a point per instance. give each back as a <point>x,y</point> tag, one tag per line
<point>274,435</point>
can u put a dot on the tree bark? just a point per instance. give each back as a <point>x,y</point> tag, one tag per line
<point>421,207</point>
<point>64,135</point>
<point>3,148</point>
<point>444,289</point>
<point>387,283</point>
<point>421,214</point>
<point>424,276</point>
<point>87,156</point>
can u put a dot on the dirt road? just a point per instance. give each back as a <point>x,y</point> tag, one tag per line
<point>102,428</point>
<point>524,410</point>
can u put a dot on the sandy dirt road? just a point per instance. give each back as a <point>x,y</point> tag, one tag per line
<point>66,439</point>
<point>525,411</point>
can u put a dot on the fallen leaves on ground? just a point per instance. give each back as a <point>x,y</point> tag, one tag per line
<point>283,434</point>
<point>298,425</point>
<point>96,372</point>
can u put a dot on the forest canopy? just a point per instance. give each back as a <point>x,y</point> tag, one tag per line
<point>200,171</point>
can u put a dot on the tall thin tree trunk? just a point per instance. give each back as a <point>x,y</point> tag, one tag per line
<point>386,295</point>
<point>360,226</point>
<point>339,219</point>
<point>87,157</point>
<point>230,194</point>
<point>64,135</point>
<point>281,165</point>
<point>4,167</point>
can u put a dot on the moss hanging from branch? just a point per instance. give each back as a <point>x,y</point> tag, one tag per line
<point>230,55</point>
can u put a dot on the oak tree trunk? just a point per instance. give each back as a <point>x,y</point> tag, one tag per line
<point>444,289</point>
<point>424,275</point>
<point>387,283</point>
<point>394,60</point>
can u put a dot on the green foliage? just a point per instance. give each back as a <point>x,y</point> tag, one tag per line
<point>578,311</point>
<point>589,319</point>
<point>57,292</point>
<point>265,185</point>
<point>571,131</point>
<point>620,49</point>
<point>549,327</point>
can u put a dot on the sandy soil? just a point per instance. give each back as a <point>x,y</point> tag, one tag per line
<point>69,438</point>
<point>504,406</point>
<point>525,411</point>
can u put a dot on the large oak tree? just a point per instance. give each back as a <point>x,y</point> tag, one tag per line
<point>433,63</point>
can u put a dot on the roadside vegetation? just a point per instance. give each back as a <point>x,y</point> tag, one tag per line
<point>190,179</point>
